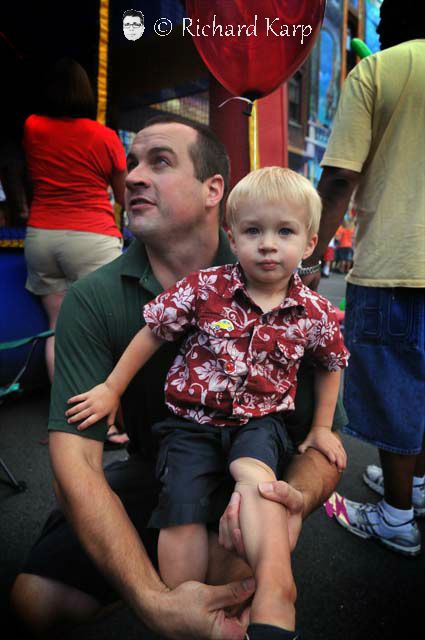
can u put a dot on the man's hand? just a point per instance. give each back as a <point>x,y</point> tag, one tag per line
<point>93,405</point>
<point>322,439</point>
<point>195,611</point>
<point>230,535</point>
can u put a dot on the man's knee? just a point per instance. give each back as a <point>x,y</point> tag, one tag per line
<point>251,470</point>
<point>43,604</point>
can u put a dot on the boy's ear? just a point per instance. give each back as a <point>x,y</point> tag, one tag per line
<point>311,245</point>
<point>232,241</point>
<point>214,186</point>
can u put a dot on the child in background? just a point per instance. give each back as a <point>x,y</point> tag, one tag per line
<point>328,259</point>
<point>248,326</point>
<point>344,240</point>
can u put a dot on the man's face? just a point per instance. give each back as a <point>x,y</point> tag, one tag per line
<point>133,27</point>
<point>164,199</point>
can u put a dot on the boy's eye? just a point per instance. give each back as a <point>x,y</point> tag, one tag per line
<point>251,231</point>
<point>285,231</point>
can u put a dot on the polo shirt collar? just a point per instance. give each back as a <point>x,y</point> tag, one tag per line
<point>135,262</point>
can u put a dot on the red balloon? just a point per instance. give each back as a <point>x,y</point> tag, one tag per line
<point>253,46</point>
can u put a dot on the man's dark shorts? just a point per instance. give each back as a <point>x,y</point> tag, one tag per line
<point>193,465</point>
<point>58,555</point>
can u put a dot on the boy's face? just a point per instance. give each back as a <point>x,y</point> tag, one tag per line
<point>270,240</point>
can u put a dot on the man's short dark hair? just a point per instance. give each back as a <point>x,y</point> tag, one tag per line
<point>402,20</point>
<point>135,13</point>
<point>208,153</point>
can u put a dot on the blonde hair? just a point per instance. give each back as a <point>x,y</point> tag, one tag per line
<point>274,184</point>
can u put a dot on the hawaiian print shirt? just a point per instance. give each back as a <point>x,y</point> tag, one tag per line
<point>238,362</point>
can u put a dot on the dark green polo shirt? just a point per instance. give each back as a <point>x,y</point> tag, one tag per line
<point>99,316</point>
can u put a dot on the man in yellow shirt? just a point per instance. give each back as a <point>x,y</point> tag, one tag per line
<point>377,147</point>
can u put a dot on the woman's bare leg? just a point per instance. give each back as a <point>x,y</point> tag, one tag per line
<point>52,304</point>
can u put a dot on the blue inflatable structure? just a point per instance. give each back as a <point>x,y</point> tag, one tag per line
<point>21,316</point>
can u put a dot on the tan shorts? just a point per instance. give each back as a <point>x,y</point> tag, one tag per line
<point>56,258</point>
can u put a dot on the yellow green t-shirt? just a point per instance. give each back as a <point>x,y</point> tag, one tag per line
<point>379,131</point>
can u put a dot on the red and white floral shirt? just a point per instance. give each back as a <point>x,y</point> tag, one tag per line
<point>238,362</point>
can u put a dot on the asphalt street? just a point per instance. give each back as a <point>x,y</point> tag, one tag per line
<point>347,587</point>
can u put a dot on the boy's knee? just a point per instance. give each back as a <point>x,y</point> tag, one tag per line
<point>182,531</point>
<point>251,470</point>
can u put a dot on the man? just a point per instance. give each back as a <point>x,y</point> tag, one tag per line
<point>133,23</point>
<point>378,146</point>
<point>177,177</point>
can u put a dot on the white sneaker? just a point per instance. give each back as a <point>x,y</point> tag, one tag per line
<point>368,521</point>
<point>374,479</point>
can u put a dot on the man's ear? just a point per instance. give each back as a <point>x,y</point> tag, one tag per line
<point>311,245</point>
<point>214,186</point>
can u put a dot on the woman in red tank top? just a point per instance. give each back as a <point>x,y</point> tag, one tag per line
<point>74,163</point>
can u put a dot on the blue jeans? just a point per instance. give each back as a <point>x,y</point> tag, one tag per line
<point>384,386</point>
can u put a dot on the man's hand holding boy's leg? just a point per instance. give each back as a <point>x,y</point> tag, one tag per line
<point>230,535</point>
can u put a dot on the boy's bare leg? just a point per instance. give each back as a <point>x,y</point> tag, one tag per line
<point>183,554</point>
<point>265,533</point>
<point>224,566</point>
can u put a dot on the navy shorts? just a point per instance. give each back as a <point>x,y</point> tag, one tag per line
<point>344,253</point>
<point>193,465</point>
<point>384,385</point>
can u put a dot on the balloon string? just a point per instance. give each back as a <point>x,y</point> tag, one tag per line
<point>251,110</point>
<point>236,98</point>
<point>255,140</point>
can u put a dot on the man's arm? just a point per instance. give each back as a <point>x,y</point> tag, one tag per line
<point>100,522</point>
<point>193,610</point>
<point>314,476</point>
<point>335,187</point>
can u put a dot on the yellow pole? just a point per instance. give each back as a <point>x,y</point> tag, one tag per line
<point>102,69</point>
<point>254,155</point>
